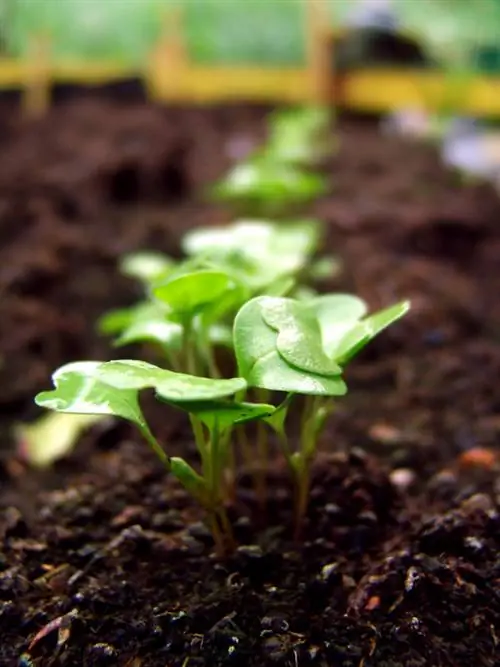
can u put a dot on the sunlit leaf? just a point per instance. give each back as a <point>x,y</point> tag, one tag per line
<point>146,266</point>
<point>299,336</point>
<point>112,388</point>
<point>260,363</point>
<point>191,292</point>
<point>52,436</point>
<point>225,414</point>
<point>336,314</point>
<point>366,330</point>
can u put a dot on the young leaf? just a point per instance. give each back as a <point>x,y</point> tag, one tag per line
<point>366,330</point>
<point>299,337</point>
<point>79,390</point>
<point>112,387</point>
<point>131,374</point>
<point>189,293</point>
<point>146,266</point>
<point>52,436</point>
<point>225,414</point>
<point>260,363</point>
<point>189,478</point>
<point>336,314</point>
<point>256,251</point>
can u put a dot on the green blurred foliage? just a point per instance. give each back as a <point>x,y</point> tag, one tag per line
<point>232,31</point>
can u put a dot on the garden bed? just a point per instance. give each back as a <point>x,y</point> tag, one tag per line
<point>108,559</point>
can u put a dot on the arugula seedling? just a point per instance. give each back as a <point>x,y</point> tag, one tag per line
<point>299,136</point>
<point>301,348</point>
<point>267,187</point>
<point>112,388</point>
<point>258,252</point>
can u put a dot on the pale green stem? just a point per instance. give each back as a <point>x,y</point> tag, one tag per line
<point>155,446</point>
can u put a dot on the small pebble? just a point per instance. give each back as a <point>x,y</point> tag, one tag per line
<point>479,502</point>
<point>402,478</point>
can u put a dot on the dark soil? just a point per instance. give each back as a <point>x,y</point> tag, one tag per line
<point>105,561</point>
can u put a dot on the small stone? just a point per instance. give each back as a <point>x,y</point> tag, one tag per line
<point>479,502</point>
<point>102,650</point>
<point>402,478</point>
<point>385,434</point>
<point>200,532</point>
<point>328,570</point>
<point>332,509</point>
<point>252,551</point>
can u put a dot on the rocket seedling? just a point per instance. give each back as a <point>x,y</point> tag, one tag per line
<point>300,137</point>
<point>113,388</point>
<point>255,256</point>
<point>268,187</point>
<point>301,348</point>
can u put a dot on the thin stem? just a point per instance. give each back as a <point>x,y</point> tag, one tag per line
<point>155,446</point>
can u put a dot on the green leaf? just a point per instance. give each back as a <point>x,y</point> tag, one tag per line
<point>79,390</point>
<point>146,266</point>
<point>189,293</point>
<point>265,180</point>
<point>299,336</point>
<point>260,363</point>
<point>366,330</point>
<point>112,387</point>
<point>155,330</point>
<point>256,252</point>
<point>115,321</point>
<point>336,314</point>
<point>324,268</point>
<point>52,436</point>
<point>189,478</point>
<point>130,374</point>
<point>225,414</point>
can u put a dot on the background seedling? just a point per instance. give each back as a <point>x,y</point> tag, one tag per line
<point>264,186</point>
<point>300,137</point>
<point>258,256</point>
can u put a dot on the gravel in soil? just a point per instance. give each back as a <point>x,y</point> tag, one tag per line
<point>104,561</point>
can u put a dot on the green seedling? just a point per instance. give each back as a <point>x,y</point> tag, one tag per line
<point>112,388</point>
<point>267,187</point>
<point>261,253</point>
<point>198,301</point>
<point>301,348</point>
<point>255,256</point>
<point>300,137</point>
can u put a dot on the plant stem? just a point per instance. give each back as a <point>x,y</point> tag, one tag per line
<point>155,446</point>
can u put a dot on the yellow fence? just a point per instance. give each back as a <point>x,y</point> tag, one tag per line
<point>219,84</point>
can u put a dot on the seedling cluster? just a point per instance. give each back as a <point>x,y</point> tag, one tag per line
<point>243,292</point>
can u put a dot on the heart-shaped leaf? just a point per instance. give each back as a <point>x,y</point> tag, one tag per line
<point>146,266</point>
<point>256,252</point>
<point>79,390</point>
<point>366,330</point>
<point>299,337</point>
<point>225,414</point>
<point>170,386</point>
<point>92,387</point>
<point>190,293</point>
<point>260,363</point>
<point>336,314</point>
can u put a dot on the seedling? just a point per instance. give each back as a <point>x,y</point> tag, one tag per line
<point>112,388</point>
<point>299,136</point>
<point>255,256</point>
<point>267,187</point>
<point>301,348</point>
<point>261,253</point>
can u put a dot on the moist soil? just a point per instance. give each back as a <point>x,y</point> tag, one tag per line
<point>105,561</point>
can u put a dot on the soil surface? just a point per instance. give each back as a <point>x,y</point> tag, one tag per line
<point>105,561</point>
